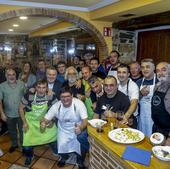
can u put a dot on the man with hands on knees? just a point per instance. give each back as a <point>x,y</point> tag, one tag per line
<point>72,122</point>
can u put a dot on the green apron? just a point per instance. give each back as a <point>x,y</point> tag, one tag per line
<point>33,136</point>
<point>88,103</point>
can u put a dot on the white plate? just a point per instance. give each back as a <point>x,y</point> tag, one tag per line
<point>97,122</point>
<point>161,151</point>
<point>126,135</point>
<point>157,138</point>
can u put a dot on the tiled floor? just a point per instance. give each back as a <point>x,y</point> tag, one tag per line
<point>44,159</point>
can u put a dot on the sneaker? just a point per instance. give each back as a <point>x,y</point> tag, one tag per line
<point>61,163</point>
<point>12,149</point>
<point>28,161</point>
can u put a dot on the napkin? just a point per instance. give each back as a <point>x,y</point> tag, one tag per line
<point>137,155</point>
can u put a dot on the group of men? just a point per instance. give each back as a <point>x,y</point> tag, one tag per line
<point>55,110</point>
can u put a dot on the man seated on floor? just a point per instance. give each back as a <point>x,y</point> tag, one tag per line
<point>32,109</point>
<point>72,123</point>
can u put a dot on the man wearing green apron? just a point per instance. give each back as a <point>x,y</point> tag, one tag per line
<point>32,109</point>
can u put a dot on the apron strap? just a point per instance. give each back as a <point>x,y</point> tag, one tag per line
<point>127,89</point>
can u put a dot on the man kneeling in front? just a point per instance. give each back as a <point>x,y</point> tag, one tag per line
<point>72,123</point>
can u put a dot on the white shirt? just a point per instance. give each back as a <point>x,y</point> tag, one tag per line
<point>50,85</point>
<point>58,107</point>
<point>132,91</point>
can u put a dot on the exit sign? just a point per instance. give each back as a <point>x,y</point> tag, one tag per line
<point>107,31</point>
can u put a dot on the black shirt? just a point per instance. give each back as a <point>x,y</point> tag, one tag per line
<point>120,102</point>
<point>135,80</point>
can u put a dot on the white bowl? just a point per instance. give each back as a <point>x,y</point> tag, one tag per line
<point>157,138</point>
<point>97,123</point>
<point>162,152</point>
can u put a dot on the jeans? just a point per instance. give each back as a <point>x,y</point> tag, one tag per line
<point>29,150</point>
<point>84,144</point>
<point>13,124</point>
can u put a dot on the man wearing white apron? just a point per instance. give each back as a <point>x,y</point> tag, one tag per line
<point>130,89</point>
<point>114,60</point>
<point>72,122</point>
<point>146,85</point>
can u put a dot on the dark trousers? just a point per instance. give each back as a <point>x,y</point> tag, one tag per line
<point>29,150</point>
<point>15,124</point>
<point>3,127</point>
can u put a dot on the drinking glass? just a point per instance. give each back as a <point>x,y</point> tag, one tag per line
<point>119,117</point>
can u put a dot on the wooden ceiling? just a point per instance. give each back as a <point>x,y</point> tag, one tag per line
<point>148,21</point>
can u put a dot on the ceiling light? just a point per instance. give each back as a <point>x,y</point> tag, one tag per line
<point>23,17</point>
<point>10,30</point>
<point>15,25</point>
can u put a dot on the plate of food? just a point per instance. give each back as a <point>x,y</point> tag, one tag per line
<point>157,138</point>
<point>162,152</point>
<point>126,135</point>
<point>97,123</point>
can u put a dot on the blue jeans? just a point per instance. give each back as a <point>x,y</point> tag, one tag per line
<point>84,144</point>
<point>29,150</point>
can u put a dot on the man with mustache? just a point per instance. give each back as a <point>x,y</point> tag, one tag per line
<point>72,77</point>
<point>11,93</point>
<point>161,100</point>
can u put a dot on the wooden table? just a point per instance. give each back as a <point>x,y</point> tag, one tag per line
<point>106,154</point>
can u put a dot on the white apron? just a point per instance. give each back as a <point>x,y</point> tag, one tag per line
<point>67,139</point>
<point>145,120</point>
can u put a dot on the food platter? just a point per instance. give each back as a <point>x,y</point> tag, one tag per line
<point>126,135</point>
<point>97,123</point>
<point>162,152</point>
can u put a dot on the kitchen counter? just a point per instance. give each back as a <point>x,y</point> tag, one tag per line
<point>106,154</point>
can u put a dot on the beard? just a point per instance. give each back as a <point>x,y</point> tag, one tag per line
<point>162,79</point>
<point>72,79</point>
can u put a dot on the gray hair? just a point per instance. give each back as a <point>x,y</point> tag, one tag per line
<point>68,69</point>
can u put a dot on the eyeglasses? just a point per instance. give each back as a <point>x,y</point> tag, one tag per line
<point>64,97</point>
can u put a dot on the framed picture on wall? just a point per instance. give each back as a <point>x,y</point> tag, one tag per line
<point>80,46</point>
<point>19,50</point>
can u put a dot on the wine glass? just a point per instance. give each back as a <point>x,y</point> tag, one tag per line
<point>119,117</point>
